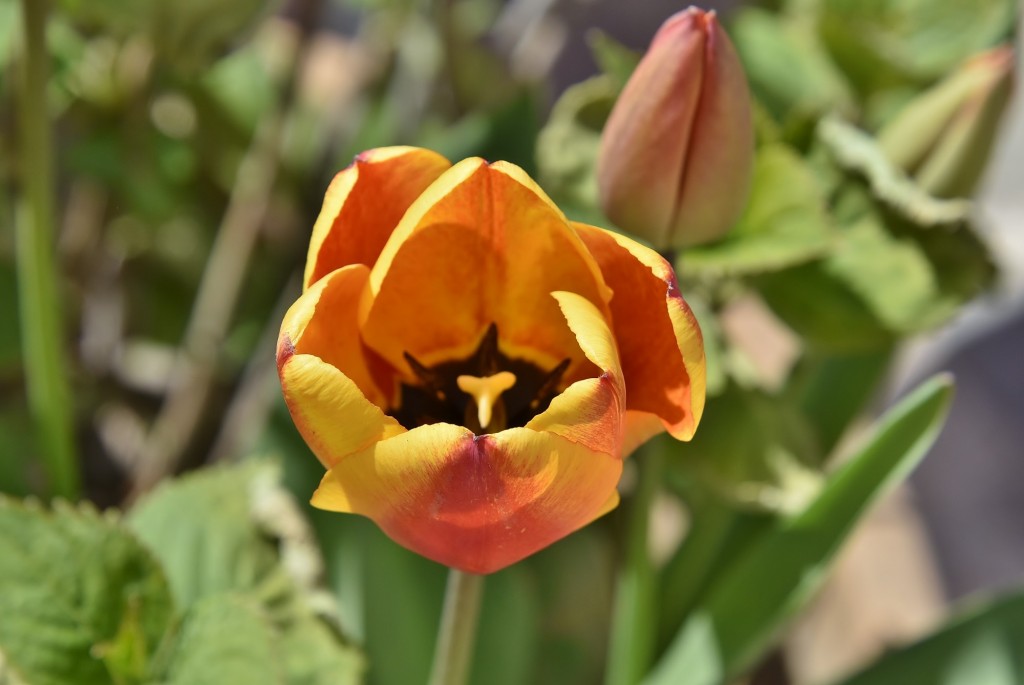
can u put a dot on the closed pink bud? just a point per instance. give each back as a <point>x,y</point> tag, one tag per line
<point>677,152</point>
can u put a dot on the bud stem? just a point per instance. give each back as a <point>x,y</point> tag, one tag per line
<point>457,632</point>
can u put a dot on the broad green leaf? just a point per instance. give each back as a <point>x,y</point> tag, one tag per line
<point>880,42</point>
<point>765,466</point>
<point>788,69</point>
<point>891,275</point>
<point>203,528</point>
<point>784,224</point>
<point>979,646</point>
<point>825,311</point>
<point>832,389</point>
<point>226,639</point>
<point>314,655</point>
<point>736,619</point>
<point>81,601</point>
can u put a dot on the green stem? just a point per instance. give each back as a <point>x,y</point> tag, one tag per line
<point>42,338</point>
<point>458,629</point>
<point>634,619</point>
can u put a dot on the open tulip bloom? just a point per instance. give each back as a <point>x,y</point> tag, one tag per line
<point>470,367</point>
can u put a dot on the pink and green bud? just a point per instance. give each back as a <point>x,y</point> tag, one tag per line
<point>677,152</point>
<point>944,136</point>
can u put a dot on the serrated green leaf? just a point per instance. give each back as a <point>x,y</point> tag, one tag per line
<point>979,645</point>
<point>741,611</point>
<point>225,639</point>
<point>235,530</point>
<point>784,224</point>
<point>859,153</point>
<point>82,601</point>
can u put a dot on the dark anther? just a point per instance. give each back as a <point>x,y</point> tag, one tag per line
<point>435,396</point>
<point>549,388</point>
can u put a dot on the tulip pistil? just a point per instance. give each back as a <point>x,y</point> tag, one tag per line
<point>486,392</point>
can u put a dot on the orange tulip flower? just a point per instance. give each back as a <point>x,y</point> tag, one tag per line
<point>469,366</point>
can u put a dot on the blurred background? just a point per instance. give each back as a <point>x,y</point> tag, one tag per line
<point>193,143</point>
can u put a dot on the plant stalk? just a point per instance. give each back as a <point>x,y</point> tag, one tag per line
<point>634,617</point>
<point>42,339</point>
<point>458,629</point>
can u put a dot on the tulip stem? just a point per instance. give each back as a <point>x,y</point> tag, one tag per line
<point>634,614</point>
<point>458,628</point>
<point>42,338</point>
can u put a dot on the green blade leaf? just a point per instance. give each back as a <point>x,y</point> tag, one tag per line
<point>742,611</point>
<point>980,645</point>
<point>81,601</point>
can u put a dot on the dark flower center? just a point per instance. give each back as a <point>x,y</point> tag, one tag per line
<point>486,392</point>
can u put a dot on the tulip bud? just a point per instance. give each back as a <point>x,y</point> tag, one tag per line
<point>677,151</point>
<point>944,136</point>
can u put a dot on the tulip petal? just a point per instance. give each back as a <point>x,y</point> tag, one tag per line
<point>333,416</point>
<point>660,344</point>
<point>476,503</point>
<point>363,205</point>
<point>324,322</point>
<point>590,411</point>
<point>325,375</point>
<point>482,245</point>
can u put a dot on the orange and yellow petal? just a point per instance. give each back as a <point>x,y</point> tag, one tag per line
<point>324,322</point>
<point>482,245</point>
<point>660,344</point>
<point>476,503</point>
<point>364,204</point>
<point>324,372</point>
<point>590,411</point>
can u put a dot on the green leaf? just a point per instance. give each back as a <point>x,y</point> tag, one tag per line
<point>891,275</point>
<point>81,600</point>
<point>225,639</point>
<point>740,613</point>
<point>203,528</point>
<point>765,466</point>
<point>826,312</point>
<point>314,655</point>
<point>859,153</point>
<point>789,70</point>
<point>880,42</point>
<point>980,645</point>
<point>784,224</point>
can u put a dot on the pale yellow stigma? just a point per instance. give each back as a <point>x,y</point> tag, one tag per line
<point>486,392</point>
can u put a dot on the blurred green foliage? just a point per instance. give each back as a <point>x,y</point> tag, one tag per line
<point>162,111</point>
